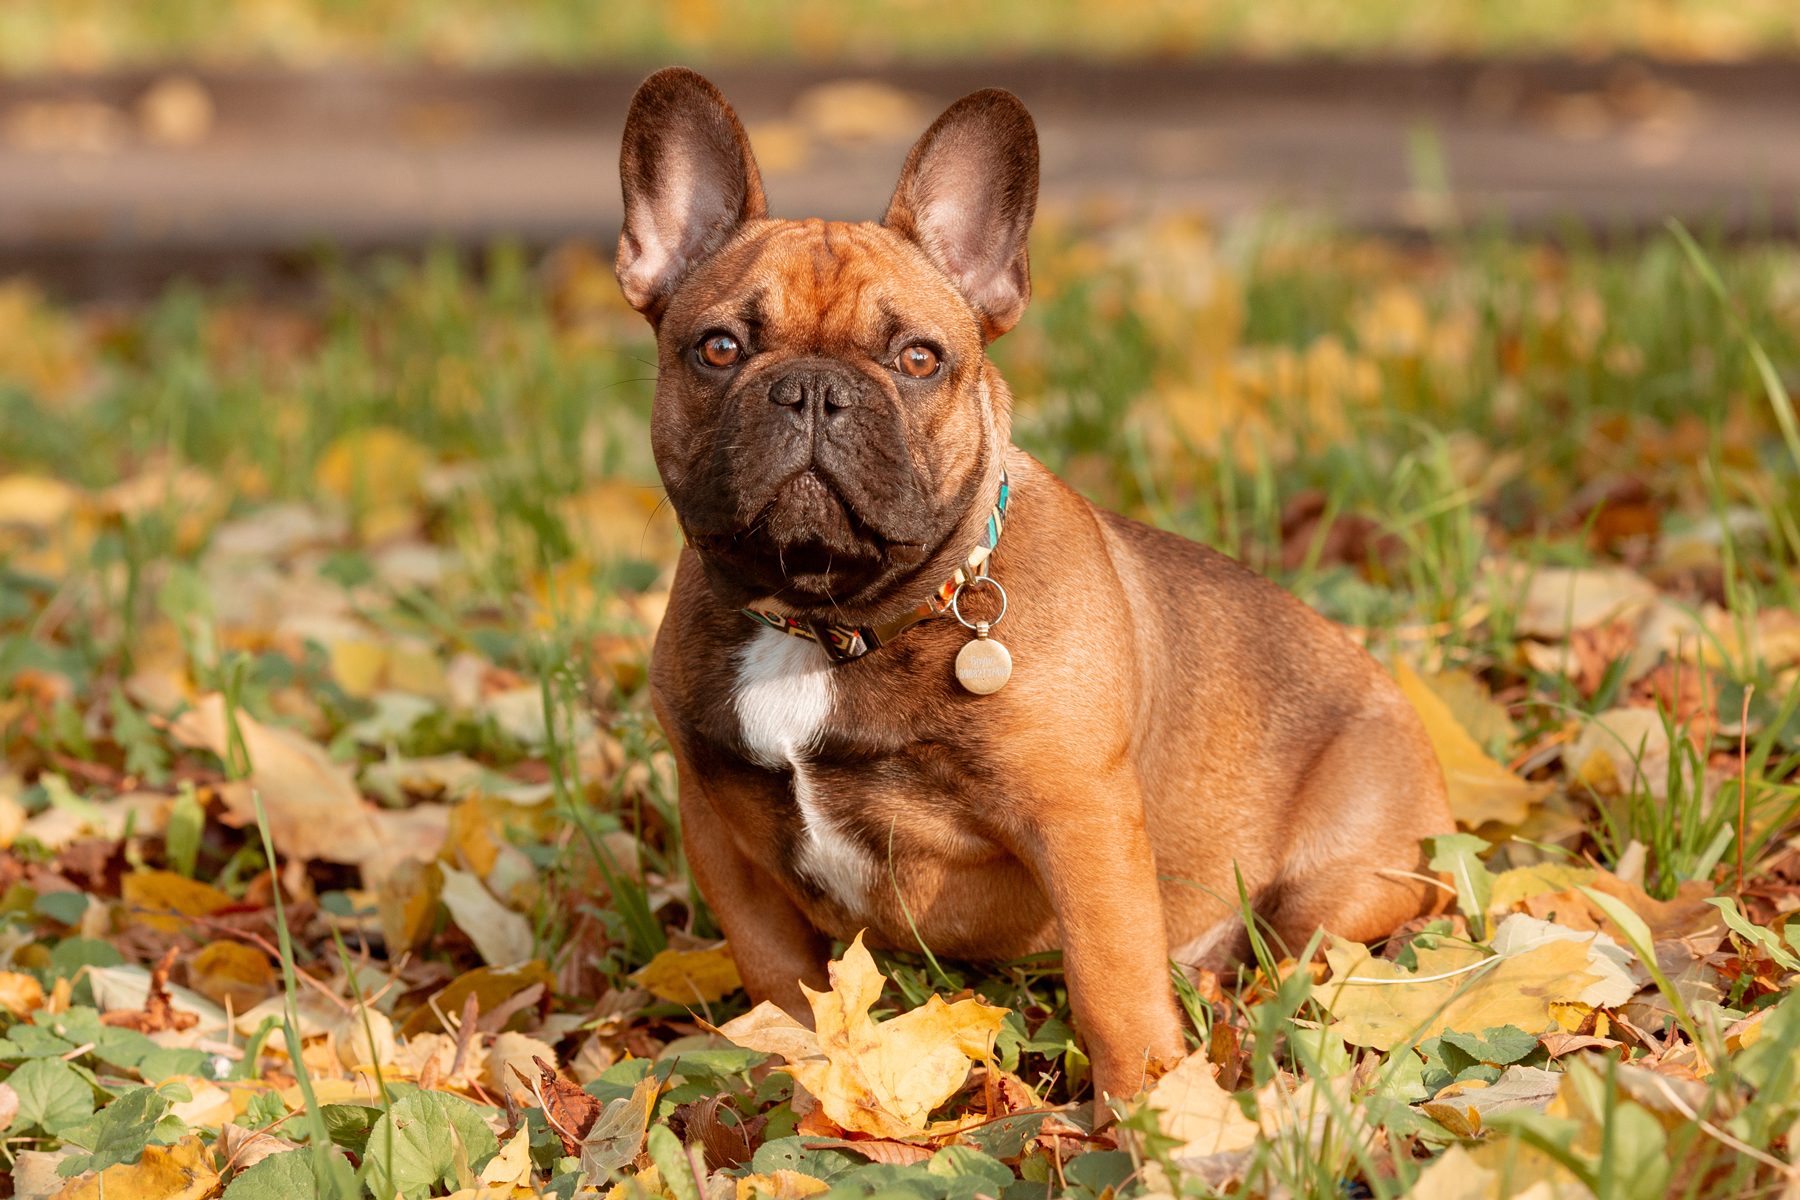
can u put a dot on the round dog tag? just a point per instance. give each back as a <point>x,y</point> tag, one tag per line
<point>983,666</point>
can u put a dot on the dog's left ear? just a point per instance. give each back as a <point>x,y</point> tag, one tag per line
<point>966,197</point>
<point>689,180</point>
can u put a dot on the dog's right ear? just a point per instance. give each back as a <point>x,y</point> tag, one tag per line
<point>689,181</point>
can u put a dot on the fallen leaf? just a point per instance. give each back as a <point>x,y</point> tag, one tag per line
<point>159,1014</point>
<point>690,976</point>
<point>1473,706</point>
<point>1558,1044</point>
<point>160,899</point>
<point>13,818</point>
<point>407,835</point>
<point>780,1185</point>
<point>617,1134</point>
<point>882,1079</point>
<point>1192,1107</point>
<point>1513,887</point>
<point>1381,1004</point>
<point>126,989</point>
<point>1454,1175</point>
<point>880,1150</point>
<point>243,1148</point>
<point>512,1166</point>
<point>317,1013</point>
<point>1620,751</point>
<point>613,519</point>
<point>501,936</point>
<point>406,900</point>
<point>378,473</point>
<point>1497,1169</point>
<point>1606,959</point>
<point>35,501</point>
<point>1481,790</point>
<point>1687,914</point>
<point>1463,1108</point>
<point>1559,600</point>
<point>20,994</point>
<point>178,1172</point>
<point>313,809</point>
<point>34,1173</point>
<point>491,987</point>
<point>515,1050</point>
<point>58,826</point>
<point>364,1037</point>
<point>570,1111</point>
<point>208,1105</point>
<point>433,1057</point>
<point>232,972</point>
<point>728,1145</point>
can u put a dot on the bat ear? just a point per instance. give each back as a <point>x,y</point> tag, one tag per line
<point>689,180</point>
<point>967,196</point>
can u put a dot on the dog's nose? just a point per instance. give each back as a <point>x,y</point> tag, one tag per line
<point>821,388</point>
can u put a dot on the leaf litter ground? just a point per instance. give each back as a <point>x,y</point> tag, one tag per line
<point>376,574</point>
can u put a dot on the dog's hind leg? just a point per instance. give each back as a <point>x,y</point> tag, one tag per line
<point>1357,869</point>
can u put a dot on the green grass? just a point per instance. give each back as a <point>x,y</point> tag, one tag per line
<point>1381,428</point>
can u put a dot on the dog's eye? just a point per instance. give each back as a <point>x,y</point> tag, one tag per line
<point>917,361</point>
<point>720,350</point>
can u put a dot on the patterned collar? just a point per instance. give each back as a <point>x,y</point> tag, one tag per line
<point>845,642</point>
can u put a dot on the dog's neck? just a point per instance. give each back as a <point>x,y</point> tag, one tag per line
<point>844,638</point>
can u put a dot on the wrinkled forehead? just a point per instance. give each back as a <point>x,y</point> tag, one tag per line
<point>832,282</point>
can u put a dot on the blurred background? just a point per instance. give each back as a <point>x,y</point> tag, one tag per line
<point>140,141</point>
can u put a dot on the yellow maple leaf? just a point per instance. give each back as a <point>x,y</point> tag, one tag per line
<point>1381,1004</point>
<point>884,1079</point>
<point>1481,790</point>
<point>177,1172</point>
<point>690,976</point>
<point>1191,1106</point>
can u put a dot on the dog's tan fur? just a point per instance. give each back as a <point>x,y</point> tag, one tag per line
<point>1174,721</point>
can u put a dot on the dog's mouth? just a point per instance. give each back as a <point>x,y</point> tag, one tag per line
<point>807,546</point>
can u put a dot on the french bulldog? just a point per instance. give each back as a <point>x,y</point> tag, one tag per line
<point>1144,722</point>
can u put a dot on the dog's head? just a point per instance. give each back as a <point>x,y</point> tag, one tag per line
<point>825,420</point>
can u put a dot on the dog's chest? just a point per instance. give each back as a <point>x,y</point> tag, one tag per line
<point>784,695</point>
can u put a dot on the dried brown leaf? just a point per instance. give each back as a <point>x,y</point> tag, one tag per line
<point>570,1111</point>
<point>159,1014</point>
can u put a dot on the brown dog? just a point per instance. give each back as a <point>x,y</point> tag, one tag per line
<point>835,443</point>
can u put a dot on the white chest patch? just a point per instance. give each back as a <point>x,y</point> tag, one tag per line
<point>783,697</point>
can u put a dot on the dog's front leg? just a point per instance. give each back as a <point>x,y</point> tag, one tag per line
<point>774,945</point>
<point>1093,858</point>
